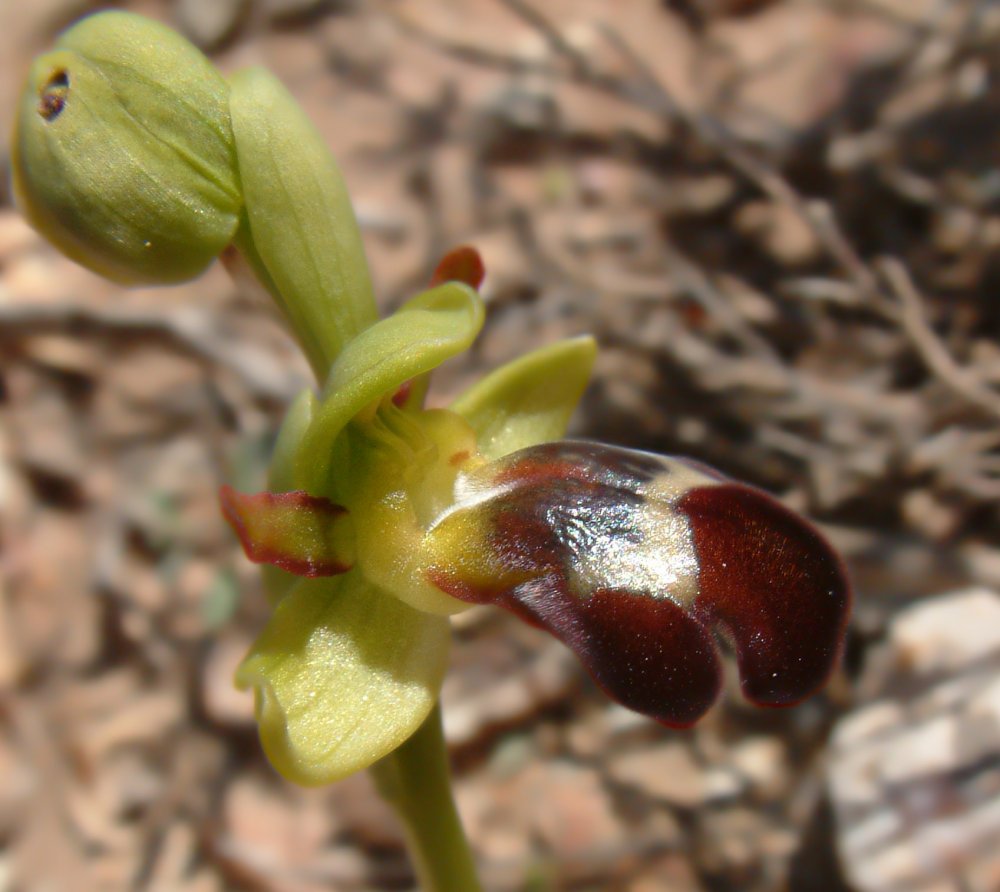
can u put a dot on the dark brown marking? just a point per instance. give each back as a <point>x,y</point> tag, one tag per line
<point>53,96</point>
<point>580,460</point>
<point>539,470</point>
<point>652,656</point>
<point>646,653</point>
<point>774,584</point>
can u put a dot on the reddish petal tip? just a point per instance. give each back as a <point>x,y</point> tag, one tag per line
<point>462,264</point>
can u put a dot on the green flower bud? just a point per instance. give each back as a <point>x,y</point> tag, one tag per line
<point>123,151</point>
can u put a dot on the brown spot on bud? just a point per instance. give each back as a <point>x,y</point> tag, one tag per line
<point>53,96</point>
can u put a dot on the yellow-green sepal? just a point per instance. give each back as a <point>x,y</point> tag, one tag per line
<point>529,400</point>
<point>423,333</point>
<point>342,675</point>
<point>122,153</point>
<point>300,224</point>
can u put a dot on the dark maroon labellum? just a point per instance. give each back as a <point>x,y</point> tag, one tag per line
<point>631,559</point>
<point>774,584</point>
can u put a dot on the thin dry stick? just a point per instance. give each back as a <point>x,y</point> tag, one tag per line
<point>961,381</point>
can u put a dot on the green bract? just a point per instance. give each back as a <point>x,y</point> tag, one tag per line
<point>300,232</point>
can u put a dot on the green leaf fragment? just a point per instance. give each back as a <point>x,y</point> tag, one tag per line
<point>343,674</point>
<point>530,400</point>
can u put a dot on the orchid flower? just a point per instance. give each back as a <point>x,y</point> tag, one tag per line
<point>384,517</point>
<point>400,516</point>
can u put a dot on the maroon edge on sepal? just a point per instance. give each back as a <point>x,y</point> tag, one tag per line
<point>461,264</point>
<point>238,508</point>
<point>776,587</point>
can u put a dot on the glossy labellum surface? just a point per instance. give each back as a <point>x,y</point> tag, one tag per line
<point>634,559</point>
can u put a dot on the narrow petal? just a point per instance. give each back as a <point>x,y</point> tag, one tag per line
<point>342,674</point>
<point>634,559</point>
<point>303,534</point>
<point>529,400</point>
<point>422,334</point>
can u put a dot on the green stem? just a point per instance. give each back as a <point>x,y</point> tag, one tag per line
<point>415,780</point>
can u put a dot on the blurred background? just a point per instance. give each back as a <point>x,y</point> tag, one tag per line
<point>782,222</point>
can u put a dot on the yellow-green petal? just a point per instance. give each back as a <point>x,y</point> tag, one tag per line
<point>530,400</point>
<point>342,675</point>
<point>422,334</point>
<point>302,228</point>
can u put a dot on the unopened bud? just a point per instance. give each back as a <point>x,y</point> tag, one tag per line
<point>123,153</point>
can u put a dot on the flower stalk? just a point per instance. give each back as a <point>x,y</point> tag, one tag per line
<point>415,780</point>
